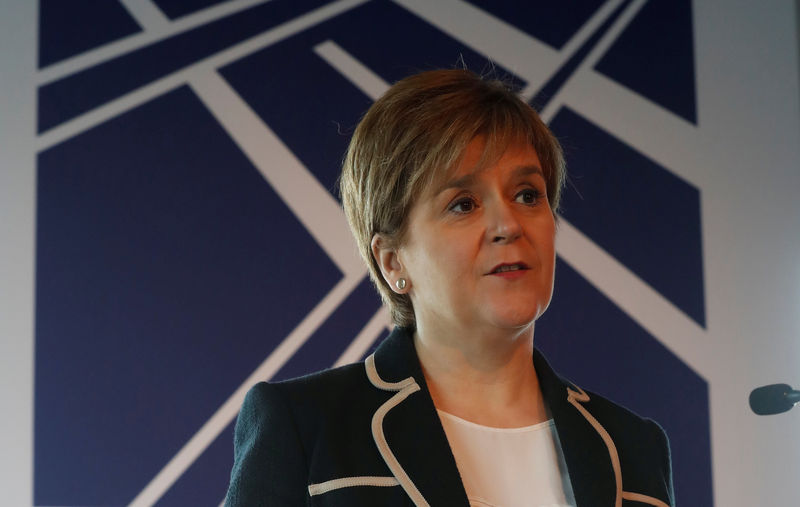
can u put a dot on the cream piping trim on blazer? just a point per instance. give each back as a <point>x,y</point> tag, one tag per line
<point>638,497</point>
<point>347,482</point>
<point>377,381</point>
<point>574,397</point>
<point>404,388</point>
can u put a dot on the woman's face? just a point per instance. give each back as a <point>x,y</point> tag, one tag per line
<point>479,250</point>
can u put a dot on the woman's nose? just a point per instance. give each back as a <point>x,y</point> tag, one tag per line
<point>504,226</point>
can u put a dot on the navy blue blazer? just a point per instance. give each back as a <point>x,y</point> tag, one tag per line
<point>368,434</point>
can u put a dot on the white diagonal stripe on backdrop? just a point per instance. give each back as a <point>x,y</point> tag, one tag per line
<point>664,136</point>
<point>182,76</point>
<point>110,110</point>
<point>355,351</point>
<point>579,38</point>
<point>133,42</point>
<point>310,202</point>
<point>146,13</point>
<point>645,305</point>
<point>589,27</point>
<point>359,74</point>
<point>176,466</point>
<point>602,100</point>
<point>594,55</point>
<point>510,47</point>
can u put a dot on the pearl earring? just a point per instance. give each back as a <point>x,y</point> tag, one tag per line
<point>400,283</point>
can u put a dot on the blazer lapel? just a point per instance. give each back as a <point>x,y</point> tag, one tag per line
<point>589,459</point>
<point>410,437</point>
<point>407,428</point>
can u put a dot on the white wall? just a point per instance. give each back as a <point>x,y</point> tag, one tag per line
<point>749,113</point>
<point>17,189</point>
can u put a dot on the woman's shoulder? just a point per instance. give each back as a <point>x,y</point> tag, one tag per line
<point>318,393</point>
<point>276,430</point>
<point>614,417</point>
<point>605,408</point>
<point>624,426</point>
<point>322,383</point>
<point>635,436</point>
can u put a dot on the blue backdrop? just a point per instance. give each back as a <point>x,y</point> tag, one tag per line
<point>169,269</point>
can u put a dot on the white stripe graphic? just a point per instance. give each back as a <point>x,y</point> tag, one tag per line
<point>505,44</point>
<point>359,74</point>
<point>662,135</point>
<point>146,13</point>
<point>594,55</point>
<point>631,117</point>
<point>179,77</point>
<point>167,476</point>
<point>358,347</point>
<point>310,202</point>
<point>645,305</point>
<point>119,47</point>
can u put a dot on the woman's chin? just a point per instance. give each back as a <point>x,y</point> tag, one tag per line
<point>510,318</point>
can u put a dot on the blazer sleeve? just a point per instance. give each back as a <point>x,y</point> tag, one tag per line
<point>665,461</point>
<point>269,465</point>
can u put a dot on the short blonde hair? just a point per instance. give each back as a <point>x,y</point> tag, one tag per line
<point>413,137</point>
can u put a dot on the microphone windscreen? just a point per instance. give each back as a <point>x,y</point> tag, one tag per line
<point>771,399</point>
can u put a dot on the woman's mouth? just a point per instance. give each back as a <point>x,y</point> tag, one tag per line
<point>509,270</point>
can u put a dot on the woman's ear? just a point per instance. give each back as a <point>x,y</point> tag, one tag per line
<point>390,265</point>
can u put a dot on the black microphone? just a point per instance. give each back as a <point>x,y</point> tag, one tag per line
<point>773,399</point>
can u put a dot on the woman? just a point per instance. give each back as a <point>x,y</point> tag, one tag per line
<point>450,186</point>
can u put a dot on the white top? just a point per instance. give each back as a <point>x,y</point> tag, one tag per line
<point>509,467</point>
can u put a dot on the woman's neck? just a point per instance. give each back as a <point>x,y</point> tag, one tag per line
<point>483,376</point>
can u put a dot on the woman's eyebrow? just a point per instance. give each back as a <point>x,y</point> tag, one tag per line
<point>460,182</point>
<point>469,179</point>
<point>527,170</point>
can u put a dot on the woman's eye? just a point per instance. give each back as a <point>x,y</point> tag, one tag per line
<point>527,196</point>
<point>464,205</point>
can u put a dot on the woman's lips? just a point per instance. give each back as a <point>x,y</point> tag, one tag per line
<point>511,275</point>
<point>509,270</point>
